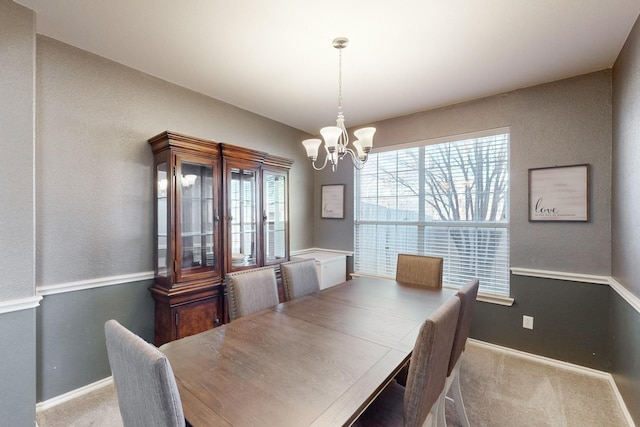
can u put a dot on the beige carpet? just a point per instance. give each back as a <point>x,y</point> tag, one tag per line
<point>500,390</point>
<point>505,389</point>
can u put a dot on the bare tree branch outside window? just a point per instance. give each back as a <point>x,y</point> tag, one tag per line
<point>448,199</point>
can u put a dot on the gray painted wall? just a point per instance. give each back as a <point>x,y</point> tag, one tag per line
<point>94,195</point>
<point>625,223</point>
<point>571,321</point>
<point>626,157</point>
<point>94,188</point>
<point>17,262</point>
<point>560,123</point>
<point>17,50</point>
<point>71,350</point>
<point>17,370</point>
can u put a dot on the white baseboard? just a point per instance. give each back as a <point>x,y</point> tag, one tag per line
<point>562,365</point>
<point>73,394</point>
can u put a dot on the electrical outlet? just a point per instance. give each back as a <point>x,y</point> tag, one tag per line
<point>527,322</point>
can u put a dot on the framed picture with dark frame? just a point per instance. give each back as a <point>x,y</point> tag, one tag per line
<point>333,201</point>
<point>559,193</point>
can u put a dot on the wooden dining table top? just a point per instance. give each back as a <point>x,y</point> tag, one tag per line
<point>318,360</point>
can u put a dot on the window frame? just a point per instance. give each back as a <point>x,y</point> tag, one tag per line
<point>499,291</point>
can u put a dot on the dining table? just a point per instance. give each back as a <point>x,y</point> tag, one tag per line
<point>318,360</point>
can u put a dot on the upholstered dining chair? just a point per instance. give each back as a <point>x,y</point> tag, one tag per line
<point>467,296</point>
<point>299,278</point>
<point>416,404</point>
<point>145,385</point>
<point>419,270</point>
<point>251,290</point>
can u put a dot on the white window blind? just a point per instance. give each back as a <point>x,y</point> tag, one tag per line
<point>448,199</point>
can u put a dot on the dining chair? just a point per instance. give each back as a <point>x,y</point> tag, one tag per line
<point>420,270</point>
<point>416,404</point>
<point>299,278</point>
<point>145,386</point>
<point>251,290</point>
<point>467,296</point>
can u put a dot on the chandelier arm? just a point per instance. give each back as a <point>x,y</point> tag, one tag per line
<point>357,162</point>
<point>313,163</point>
<point>345,136</point>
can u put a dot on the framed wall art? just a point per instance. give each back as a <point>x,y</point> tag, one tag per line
<point>333,201</point>
<point>559,193</point>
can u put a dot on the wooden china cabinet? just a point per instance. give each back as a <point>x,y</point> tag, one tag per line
<point>218,208</point>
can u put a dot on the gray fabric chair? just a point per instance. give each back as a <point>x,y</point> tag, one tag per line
<point>251,290</point>
<point>419,270</point>
<point>144,381</point>
<point>416,404</point>
<point>467,296</point>
<point>299,278</point>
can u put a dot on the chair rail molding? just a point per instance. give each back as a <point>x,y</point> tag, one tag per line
<point>98,282</point>
<point>308,250</point>
<point>626,294</point>
<point>561,275</point>
<point>18,304</point>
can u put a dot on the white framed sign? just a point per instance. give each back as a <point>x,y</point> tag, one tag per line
<point>333,201</point>
<point>559,193</point>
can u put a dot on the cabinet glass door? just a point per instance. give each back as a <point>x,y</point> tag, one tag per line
<point>243,218</point>
<point>198,219</point>
<point>275,216</point>
<point>162,221</point>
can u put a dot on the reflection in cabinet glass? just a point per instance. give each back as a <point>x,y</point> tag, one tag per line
<point>197,218</point>
<point>243,218</point>
<point>162,218</point>
<point>275,216</point>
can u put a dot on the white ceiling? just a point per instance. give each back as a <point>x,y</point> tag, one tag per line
<point>275,58</point>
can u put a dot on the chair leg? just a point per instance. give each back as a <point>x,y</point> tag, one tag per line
<point>441,418</point>
<point>434,414</point>
<point>457,399</point>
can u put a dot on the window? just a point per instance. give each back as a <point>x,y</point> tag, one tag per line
<point>446,198</point>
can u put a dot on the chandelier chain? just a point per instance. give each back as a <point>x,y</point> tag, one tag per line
<point>340,80</point>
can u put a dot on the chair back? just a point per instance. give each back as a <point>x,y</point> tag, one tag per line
<point>429,361</point>
<point>251,290</point>
<point>144,381</point>
<point>299,278</point>
<point>467,296</point>
<point>419,270</point>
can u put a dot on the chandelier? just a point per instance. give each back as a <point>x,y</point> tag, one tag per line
<point>336,138</point>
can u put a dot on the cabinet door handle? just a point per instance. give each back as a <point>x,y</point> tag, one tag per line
<point>264,216</point>
<point>216,216</point>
